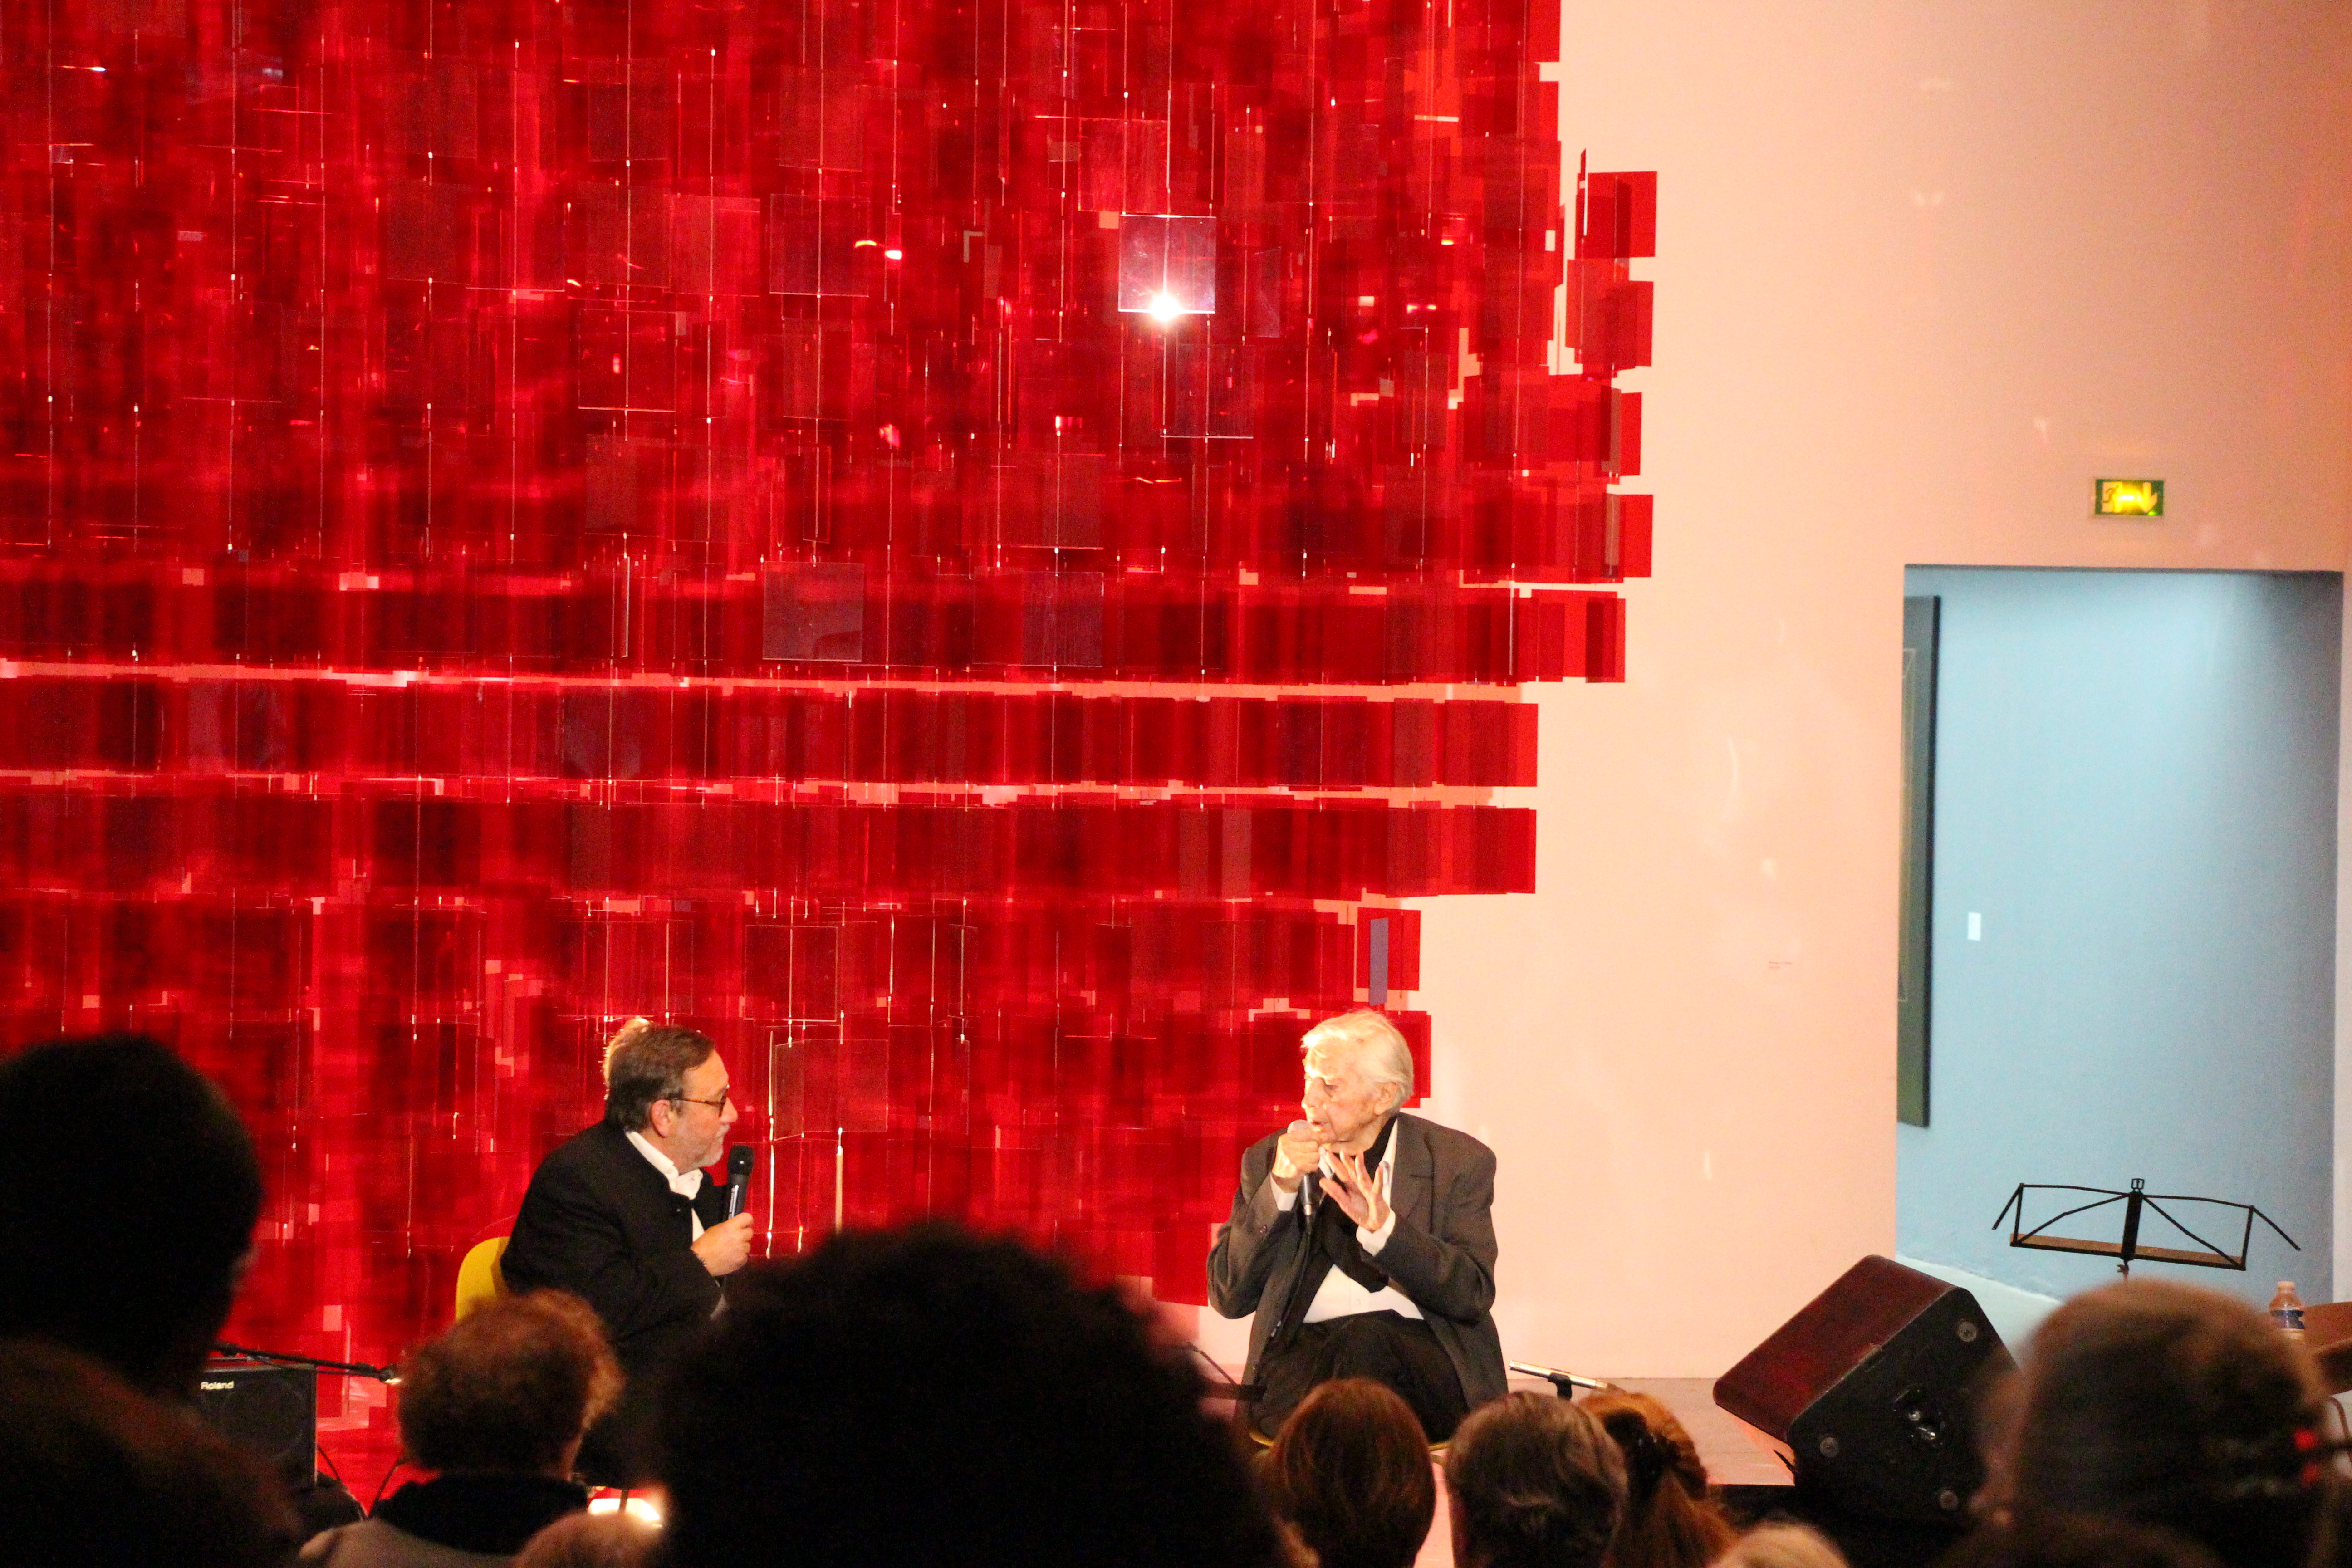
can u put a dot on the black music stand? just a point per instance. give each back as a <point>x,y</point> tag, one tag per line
<point>2137,1203</point>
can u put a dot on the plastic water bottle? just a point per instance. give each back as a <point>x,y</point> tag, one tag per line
<point>2287,1310</point>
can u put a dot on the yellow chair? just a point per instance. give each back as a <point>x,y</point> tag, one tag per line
<point>480,1280</point>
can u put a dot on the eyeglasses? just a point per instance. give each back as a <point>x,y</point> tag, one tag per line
<point>718,1104</point>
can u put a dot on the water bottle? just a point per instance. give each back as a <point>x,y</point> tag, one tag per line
<point>2287,1310</point>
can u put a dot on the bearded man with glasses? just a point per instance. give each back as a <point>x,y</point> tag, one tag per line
<point>623,1216</point>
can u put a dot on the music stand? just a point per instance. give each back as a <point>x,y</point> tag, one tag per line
<point>2129,1248</point>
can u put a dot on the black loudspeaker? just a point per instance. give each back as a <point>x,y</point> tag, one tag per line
<point>1873,1386</point>
<point>272,1410</point>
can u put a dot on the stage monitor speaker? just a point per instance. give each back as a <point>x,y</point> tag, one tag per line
<point>2328,1336</point>
<point>1873,1387</point>
<point>272,1410</point>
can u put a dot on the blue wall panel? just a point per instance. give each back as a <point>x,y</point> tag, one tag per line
<point>2136,792</point>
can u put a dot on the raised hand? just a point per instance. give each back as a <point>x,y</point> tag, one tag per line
<point>1357,1191</point>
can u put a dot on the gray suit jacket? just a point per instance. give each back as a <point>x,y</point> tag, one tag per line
<point>1441,1254</point>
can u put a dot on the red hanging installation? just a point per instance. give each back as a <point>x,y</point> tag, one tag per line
<point>967,550</point>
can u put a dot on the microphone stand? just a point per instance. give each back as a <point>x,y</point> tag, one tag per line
<point>1564,1383</point>
<point>387,1375</point>
<point>1221,1385</point>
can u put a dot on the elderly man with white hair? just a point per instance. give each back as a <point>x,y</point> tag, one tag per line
<point>1380,1266</point>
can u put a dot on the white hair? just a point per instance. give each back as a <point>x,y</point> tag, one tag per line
<point>1375,1042</point>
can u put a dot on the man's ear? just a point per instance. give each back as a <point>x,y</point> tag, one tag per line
<point>661,1118</point>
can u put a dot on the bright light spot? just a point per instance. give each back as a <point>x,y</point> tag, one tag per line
<point>892,254</point>
<point>1163,308</point>
<point>638,1508</point>
<point>864,245</point>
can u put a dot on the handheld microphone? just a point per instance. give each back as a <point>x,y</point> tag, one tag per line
<point>739,1177</point>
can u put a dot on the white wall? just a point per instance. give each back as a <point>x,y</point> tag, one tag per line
<point>1924,270</point>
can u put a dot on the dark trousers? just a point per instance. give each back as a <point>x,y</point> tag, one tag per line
<point>619,1450</point>
<point>614,1452</point>
<point>1400,1352</point>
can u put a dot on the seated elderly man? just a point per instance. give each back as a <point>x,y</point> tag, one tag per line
<point>498,1406</point>
<point>1381,1266</point>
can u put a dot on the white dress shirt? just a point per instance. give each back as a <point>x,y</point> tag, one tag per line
<point>1338,1296</point>
<point>687,1185</point>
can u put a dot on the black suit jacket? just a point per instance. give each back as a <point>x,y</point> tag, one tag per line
<point>1441,1254</point>
<point>599,1221</point>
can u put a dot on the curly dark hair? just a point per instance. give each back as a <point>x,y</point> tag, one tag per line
<point>928,1397</point>
<point>645,1062</point>
<point>1535,1482</point>
<point>508,1388</point>
<point>2167,1405</point>
<point>1671,1521</point>
<point>1350,1470</point>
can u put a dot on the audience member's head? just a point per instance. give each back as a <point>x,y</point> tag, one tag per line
<point>927,1396</point>
<point>1533,1482</point>
<point>94,1474</point>
<point>1780,1544</point>
<point>645,1064</point>
<point>613,1539</point>
<point>127,1195</point>
<point>1351,1471</point>
<point>1670,1521</point>
<point>2063,1542</point>
<point>508,1389</point>
<point>2164,1405</point>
